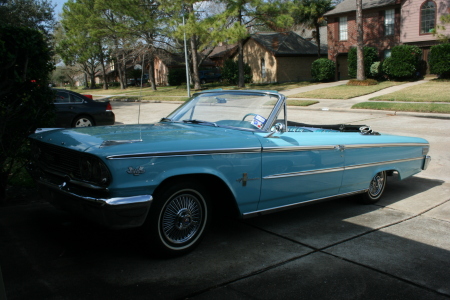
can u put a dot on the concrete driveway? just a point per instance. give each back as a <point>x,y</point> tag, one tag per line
<point>396,249</point>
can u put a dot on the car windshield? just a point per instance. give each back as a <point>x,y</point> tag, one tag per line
<point>239,109</point>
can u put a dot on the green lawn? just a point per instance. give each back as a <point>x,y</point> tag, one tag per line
<point>411,107</point>
<point>148,98</point>
<point>432,91</point>
<point>182,91</point>
<point>301,102</point>
<point>345,91</point>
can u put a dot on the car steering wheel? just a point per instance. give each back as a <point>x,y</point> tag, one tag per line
<point>250,114</point>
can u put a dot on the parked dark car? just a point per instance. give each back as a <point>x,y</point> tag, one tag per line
<point>209,76</point>
<point>76,110</point>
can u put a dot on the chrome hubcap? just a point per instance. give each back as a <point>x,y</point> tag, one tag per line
<point>182,218</point>
<point>376,185</point>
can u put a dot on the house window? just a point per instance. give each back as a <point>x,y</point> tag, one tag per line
<point>387,53</point>
<point>343,28</point>
<point>389,22</point>
<point>427,17</point>
<point>263,68</point>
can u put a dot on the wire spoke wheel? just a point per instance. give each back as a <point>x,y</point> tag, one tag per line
<point>178,218</point>
<point>182,218</point>
<point>376,188</point>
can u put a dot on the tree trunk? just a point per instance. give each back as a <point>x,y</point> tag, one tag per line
<point>102,62</point>
<point>318,39</point>
<point>360,73</point>
<point>85,79</point>
<point>195,74</point>
<point>151,71</point>
<point>117,65</point>
<point>241,80</point>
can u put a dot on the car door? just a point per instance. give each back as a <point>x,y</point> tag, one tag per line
<point>299,167</point>
<point>68,106</point>
<point>64,114</point>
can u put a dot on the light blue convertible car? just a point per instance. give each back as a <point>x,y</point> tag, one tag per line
<point>230,151</point>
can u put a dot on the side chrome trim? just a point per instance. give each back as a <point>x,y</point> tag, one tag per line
<point>357,146</point>
<point>302,173</point>
<point>289,206</point>
<point>187,153</point>
<point>298,148</point>
<point>382,163</point>
<point>320,171</point>
<point>331,147</point>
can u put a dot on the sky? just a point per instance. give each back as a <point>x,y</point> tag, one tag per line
<point>59,6</point>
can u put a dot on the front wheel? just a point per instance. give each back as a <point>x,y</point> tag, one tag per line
<point>376,189</point>
<point>178,219</point>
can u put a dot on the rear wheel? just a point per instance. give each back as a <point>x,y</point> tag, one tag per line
<point>83,121</point>
<point>178,219</point>
<point>376,189</point>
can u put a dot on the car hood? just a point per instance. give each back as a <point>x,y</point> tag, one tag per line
<point>145,138</point>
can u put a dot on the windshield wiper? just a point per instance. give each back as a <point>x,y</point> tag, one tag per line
<point>200,122</point>
<point>165,120</point>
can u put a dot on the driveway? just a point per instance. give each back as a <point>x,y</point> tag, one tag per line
<point>396,249</point>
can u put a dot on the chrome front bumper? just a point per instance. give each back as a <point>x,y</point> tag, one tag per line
<point>115,212</point>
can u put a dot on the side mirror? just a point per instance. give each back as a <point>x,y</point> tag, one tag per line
<point>277,128</point>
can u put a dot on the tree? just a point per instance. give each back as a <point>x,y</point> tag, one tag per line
<point>26,101</point>
<point>360,73</point>
<point>246,14</point>
<point>310,13</point>
<point>76,45</point>
<point>36,14</point>
<point>445,19</point>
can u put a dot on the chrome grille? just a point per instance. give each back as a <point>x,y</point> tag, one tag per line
<point>57,159</point>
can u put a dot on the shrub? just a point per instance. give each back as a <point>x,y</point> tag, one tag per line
<point>439,60</point>
<point>323,69</point>
<point>370,56</point>
<point>404,62</point>
<point>375,70</point>
<point>26,101</point>
<point>176,76</point>
<point>230,72</point>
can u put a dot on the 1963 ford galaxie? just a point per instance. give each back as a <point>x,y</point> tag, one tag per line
<point>221,149</point>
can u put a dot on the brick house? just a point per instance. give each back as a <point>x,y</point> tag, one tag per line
<point>280,57</point>
<point>419,18</point>
<point>386,23</point>
<point>381,22</point>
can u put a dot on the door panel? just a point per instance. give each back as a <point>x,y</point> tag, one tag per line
<point>295,170</point>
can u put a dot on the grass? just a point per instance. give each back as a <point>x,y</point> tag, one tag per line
<point>181,90</point>
<point>345,91</point>
<point>301,102</point>
<point>148,98</point>
<point>414,107</point>
<point>432,91</point>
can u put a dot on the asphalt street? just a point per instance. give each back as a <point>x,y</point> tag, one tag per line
<point>398,248</point>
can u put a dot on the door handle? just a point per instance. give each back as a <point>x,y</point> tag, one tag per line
<point>339,148</point>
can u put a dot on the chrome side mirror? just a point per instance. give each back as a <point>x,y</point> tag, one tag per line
<point>277,128</point>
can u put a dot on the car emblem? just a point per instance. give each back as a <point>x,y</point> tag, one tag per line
<point>136,172</point>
